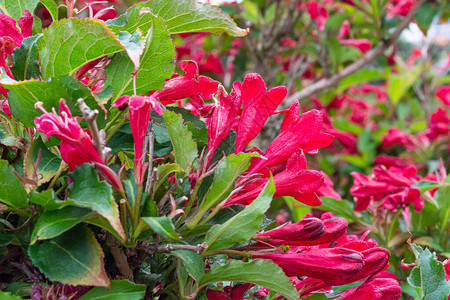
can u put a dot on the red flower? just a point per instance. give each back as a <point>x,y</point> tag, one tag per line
<point>392,184</point>
<point>76,144</point>
<point>443,94</point>
<point>400,7</point>
<point>189,85</point>
<point>225,111</point>
<point>439,124</point>
<point>295,181</point>
<point>396,136</point>
<point>326,190</point>
<point>380,288</point>
<point>317,14</point>
<point>11,37</point>
<point>258,105</point>
<point>344,30</point>
<point>236,292</point>
<point>297,132</point>
<point>362,45</point>
<point>331,265</point>
<point>140,109</point>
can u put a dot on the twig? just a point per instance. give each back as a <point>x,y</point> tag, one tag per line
<point>352,68</point>
<point>152,248</point>
<point>151,142</point>
<point>171,189</point>
<point>120,258</point>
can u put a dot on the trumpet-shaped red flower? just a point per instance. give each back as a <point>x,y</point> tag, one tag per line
<point>392,184</point>
<point>395,136</point>
<point>380,288</point>
<point>331,265</point>
<point>189,85</point>
<point>295,181</point>
<point>235,292</point>
<point>297,132</point>
<point>140,109</point>
<point>258,105</point>
<point>327,190</point>
<point>76,146</point>
<point>439,124</point>
<point>225,111</point>
<point>11,37</point>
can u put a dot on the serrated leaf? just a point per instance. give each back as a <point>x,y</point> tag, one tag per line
<point>164,171</point>
<point>74,258</point>
<point>264,273</point>
<point>227,172</point>
<point>162,226</point>
<point>184,147</point>
<point>53,223</point>
<point>244,225</point>
<point>12,192</point>
<point>23,96</point>
<point>48,165</point>
<point>193,262</point>
<point>156,63</point>
<point>120,290</point>
<point>134,45</point>
<point>429,275</point>
<point>89,192</point>
<point>67,45</point>
<point>25,59</point>
<point>14,8</point>
<point>95,219</point>
<point>52,8</point>
<point>180,16</point>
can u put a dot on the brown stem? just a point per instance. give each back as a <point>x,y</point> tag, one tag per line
<point>152,248</point>
<point>360,63</point>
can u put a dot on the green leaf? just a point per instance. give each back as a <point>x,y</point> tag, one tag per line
<point>264,273</point>
<point>429,275</point>
<point>398,84</point>
<point>48,165</point>
<point>134,45</point>
<point>181,16</point>
<point>23,96</point>
<point>53,223</point>
<point>69,44</point>
<point>193,262</point>
<point>48,200</point>
<point>12,192</point>
<point>162,226</point>
<point>120,290</point>
<point>342,208</point>
<point>25,59</point>
<point>156,63</point>
<point>52,8</point>
<point>443,200</point>
<point>227,172</point>
<point>244,225</point>
<point>74,258</point>
<point>89,192</point>
<point>184,147</point>
<point>164,171</point>
<point>9,296</point>
<point>426,185</point>
<point>14,8</point>
<point>425,15</point>
<point>95,219</point>
<point>362,75</point>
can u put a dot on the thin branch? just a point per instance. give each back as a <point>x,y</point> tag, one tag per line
<point>360,63</point>
<point>152,248</point>
<point>169,192</point>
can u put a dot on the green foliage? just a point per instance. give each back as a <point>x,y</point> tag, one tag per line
<point>162,226</point>
<point>119,290</point>
<point>25,59</point>
<point>242,226</point>
<point>184,147</point>
<point>429,276</point>
<point>74,258</point>
<point>67,45</point>
<point>12,192</point>
<point>14,8</point>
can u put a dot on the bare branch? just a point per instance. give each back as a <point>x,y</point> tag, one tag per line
<point>352,68</point>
